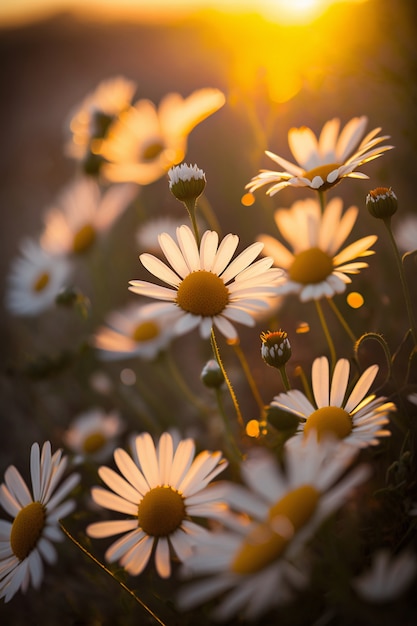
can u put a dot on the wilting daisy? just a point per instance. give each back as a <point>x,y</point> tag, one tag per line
<point>82,212</point>
<point>90,121</point>
<point>355,418</point>
<point>314,267</point>
<point>161,489</point>
<point>206,287</point>
<point>35,279</point>
<point>129,333</point>
<point>387,578</point>
<point>258,564</point>
<point>146,141</point>
<point>323,162</point>
<point>27,541</point>
<point>93,434</point>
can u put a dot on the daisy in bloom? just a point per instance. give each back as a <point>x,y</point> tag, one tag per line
<point>35,279</point>
<point>90,120</point>
<point>161,489</point>
<point>93,434</point>
<point>26,541</point>
<point>387,578</point>
<point>82,212</point>
<point>357,419</point>
<point>129,333</point>
<point>205,288</point>
<point>323,162</point>
<point>146,141</point>
<point>256,565</point>
<point>314,267</point>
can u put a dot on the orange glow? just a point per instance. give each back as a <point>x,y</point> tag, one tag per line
<point>252,428</point>
<point>248,199</point>
<point>355,300</point>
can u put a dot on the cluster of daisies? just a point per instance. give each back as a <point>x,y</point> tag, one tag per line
<point>244,545</point>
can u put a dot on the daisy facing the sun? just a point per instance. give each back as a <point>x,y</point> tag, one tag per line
<point>323,162</point>
<point>206,288</point>
<point>260,561</point>
<point>27,541</point>
<point>315,265</point>
<point>162,488</point>
<point>356,419</point>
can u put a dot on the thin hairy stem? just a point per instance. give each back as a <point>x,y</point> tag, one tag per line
<point>247,371</point>
<point>103,567</point>
<point>227,380</point>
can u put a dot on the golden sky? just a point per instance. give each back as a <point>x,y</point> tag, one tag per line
<point>12,11</point>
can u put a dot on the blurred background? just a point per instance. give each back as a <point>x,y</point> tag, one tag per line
<point>280,64</point>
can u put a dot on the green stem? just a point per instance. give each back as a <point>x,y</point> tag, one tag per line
<point>285,378</point>
<point>326,333</point>
<point>191,206</point>
<point>322,200</point>
<point>387,222</point>
<point>249,377</point>
<point>227,380</point>
<point>235,454</point>
<point>341,319</point>
<point>103,567</point>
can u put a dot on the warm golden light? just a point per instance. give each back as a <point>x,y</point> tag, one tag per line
<point>355,300</point>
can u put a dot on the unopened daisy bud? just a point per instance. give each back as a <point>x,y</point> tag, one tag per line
<point>283,421</point>
<point>186,182</point>
<point>382,202</point>
<point>212,375</point>
<point>275,349</point>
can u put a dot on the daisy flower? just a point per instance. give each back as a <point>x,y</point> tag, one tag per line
<point>258,563</point>
<point>35,279</point>
<point>323,162</point>
<point>27,541</point>
<point>82,212</point>
<point>161,489</point>
<point>205,288</point>
<point>129,333</point>
<point>387,577</point>
<point>90,120</point>
<point>146,141</point>
<point>93,434</point>
<point>314,266</point>
<point>356,419</point>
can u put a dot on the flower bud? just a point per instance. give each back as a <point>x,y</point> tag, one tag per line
<point>382,202</point>
<point>281,420</point>
<point>275,349</point>
<point>212,375</point>
<point>186,182</point>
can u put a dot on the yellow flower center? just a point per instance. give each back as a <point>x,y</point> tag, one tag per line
<point>152,151</point>
<point>26,529</point>
<point>310,267</point>
<point>161,511</point>
<point>145,331</point>
<point>323,171</point>
<point>329,420</point>
<point>41,282</point>
<point>94,442</point>
<point>268,540</point>
<point>203,293</point>
<point>84,239</point>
